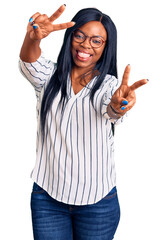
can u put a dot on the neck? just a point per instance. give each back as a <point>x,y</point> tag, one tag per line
<point>80,75</point>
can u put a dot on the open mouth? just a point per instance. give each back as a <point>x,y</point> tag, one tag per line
<point>83,56</point>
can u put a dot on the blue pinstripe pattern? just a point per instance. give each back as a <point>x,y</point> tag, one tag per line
<point>31,83</point>
<point>43,65</point>
<point>111,168</point>
<point>96,106</point>
<point>90,154</point>
<point>46,162</point>
<point>60,151</point>
<point>34,75</point>
<point>40,159</point>
<point>54,152</point>
<point>69,116</point>
<point>102,158</point>
<point>74,160</point>
<point>77,126</point>
<point>46,157</point>
<point>61,143</point>
<point>49,156</point>
<point>71,162</point>
<point>39,71</point>
<point>83,150</point>
<point>107,158</point>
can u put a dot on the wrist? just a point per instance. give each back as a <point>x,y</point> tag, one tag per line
<point>30,40</point>
<point>113,110</point>
<point>113,113</point>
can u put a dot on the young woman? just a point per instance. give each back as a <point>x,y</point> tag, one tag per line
<point>79,100</point>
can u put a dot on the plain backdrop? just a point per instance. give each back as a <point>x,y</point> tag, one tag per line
<point>140,142</point>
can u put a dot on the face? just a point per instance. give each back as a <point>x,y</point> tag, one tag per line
<point>84,55</point>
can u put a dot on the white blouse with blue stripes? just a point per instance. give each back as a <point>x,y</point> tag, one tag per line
<point>74,160</point>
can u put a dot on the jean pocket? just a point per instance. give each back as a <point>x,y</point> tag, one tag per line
<point>111,194</point>
<point>37,189</point>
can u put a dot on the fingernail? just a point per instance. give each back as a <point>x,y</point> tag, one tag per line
<point>30,20</point>
<point>65,5</point>
<point>123,108</point>
<point>34,26</point>
<point>147,80</point>
<point>32,23</point>
<point>125,102</point>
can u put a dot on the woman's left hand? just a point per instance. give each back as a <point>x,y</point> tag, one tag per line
<point>125,98</point>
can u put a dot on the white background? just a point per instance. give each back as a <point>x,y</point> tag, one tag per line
<point>140,142</point>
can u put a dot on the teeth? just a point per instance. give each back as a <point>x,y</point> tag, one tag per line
<point>83,55</point>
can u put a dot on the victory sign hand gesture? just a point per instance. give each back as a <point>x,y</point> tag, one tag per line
<point>124,98</point>
<point>40,26</point>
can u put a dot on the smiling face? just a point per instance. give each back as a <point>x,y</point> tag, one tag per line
<point>84,55</point>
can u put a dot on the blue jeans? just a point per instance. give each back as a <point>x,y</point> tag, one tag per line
<point>54,220</point>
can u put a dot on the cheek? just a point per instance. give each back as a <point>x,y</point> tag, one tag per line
<point>73,49</point>
<point>99,53</point>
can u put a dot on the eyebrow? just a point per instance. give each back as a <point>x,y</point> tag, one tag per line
<point>89,36</point>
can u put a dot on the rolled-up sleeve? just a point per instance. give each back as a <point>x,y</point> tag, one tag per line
<point>38,72</point>
<point>113,85</point>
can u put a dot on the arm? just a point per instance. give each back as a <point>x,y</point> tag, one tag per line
<point>124,98</point>
<point>30,50</point>
<point>39,27</point>
<point>107,110</point>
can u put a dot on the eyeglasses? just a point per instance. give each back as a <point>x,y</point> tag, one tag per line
<point>95,41</point>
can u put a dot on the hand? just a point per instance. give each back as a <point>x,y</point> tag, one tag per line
<point>125,98</point>
<point>40,26</point>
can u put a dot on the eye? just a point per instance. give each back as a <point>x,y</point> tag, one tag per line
<point>96,41</point>
<point>78,35</point>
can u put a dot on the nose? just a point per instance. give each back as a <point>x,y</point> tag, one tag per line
<point>86,43</point>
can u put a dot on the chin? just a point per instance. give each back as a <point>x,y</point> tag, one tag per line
<point>83,64</point>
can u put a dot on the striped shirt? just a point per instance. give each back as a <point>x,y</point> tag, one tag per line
<point>74,160</point>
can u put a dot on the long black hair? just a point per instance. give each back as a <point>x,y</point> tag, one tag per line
<point>107,64</point>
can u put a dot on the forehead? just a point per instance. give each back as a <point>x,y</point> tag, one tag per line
<point>94,28</point>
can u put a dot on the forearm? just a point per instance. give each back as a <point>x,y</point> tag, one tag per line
<point>30,50</point>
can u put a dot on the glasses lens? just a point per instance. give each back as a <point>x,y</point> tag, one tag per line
<point>96,42</point>
<point>78,36</point>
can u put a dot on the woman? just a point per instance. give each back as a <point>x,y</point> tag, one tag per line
<point>79,100</point>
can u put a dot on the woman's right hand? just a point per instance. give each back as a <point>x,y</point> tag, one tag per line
<point>40,26</point>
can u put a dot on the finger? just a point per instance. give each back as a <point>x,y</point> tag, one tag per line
<point>35,34</point>
<point>41,18</point>
<point>118,103</point>
<point>125,77</point>
<point>131,104</point>
<point>123,104</point>
<point>57,14</point>
<point>128,103</point>
<point>119,100</point>
<point>138,84</point>
<point>131,98</point>
<point>33,17</point>
<point>63,26</point>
